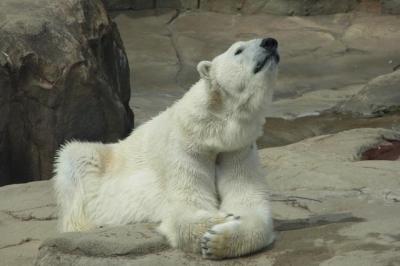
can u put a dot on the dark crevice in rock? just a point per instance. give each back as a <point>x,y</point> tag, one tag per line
<point>174,17</point>
<point>317,220</point>
<point>326,123</point>
<point>38,207</point>
<point>172,37</point>
<point>29,217</point>
<point>22,242</point>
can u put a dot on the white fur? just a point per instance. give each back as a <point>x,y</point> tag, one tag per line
<point>188,168</point>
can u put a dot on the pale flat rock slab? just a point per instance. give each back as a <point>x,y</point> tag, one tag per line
<point>19,255</point>
<point>27,216</point>
<point>29,196</point>
<point>311,103</point>
<point>137,239</point>
<point>332,163</point>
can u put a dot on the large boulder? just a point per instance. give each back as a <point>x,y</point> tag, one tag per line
<point>63,75</point>
<point>379,96</point>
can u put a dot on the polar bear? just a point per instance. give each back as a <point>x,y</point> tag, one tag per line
<point>194,168</point>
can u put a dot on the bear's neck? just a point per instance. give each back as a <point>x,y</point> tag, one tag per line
<point>208,124</point>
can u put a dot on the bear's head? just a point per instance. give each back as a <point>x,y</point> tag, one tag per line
<point>243,76</point>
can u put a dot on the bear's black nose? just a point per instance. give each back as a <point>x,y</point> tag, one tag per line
<point>269,44</point>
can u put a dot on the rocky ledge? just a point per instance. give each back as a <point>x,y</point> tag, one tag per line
<point>333,205</point>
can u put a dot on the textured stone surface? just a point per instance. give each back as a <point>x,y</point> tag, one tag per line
<point>280,7</point>
<point>277,7</point>
<point>63,75</point>
<point>325,59</point>
<point>391,6</point>
<point>128,4</point>
<point>376,104</point>
<point>333,163</point>
<point>379,96</point>
<point>27,216</point>
<point>150,4</point>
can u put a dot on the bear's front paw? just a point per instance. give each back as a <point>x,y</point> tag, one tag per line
<point>216,243</point>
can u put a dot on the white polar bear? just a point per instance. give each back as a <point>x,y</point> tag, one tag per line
<point>193,168</point>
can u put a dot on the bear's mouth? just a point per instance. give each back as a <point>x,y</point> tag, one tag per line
<point>260,65</point>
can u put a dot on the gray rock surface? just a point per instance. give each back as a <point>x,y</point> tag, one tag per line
<point>381,95</point>
<point>146,4</point>
<point>391,6</point>
<point>376,104</point>
<point>27,216</point>
<point>277,7</point>
<point>129,4</point>
<point>63,75</point>
<point>333,163</point>
<point>326,60</point>
<point>321,177</point>
<point>280,7</point>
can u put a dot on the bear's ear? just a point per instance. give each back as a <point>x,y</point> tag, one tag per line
<point>204,69</point>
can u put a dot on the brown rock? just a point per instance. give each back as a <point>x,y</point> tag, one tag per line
<point>63,75</point>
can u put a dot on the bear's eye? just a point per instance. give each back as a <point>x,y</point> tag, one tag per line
<point>239,51</point>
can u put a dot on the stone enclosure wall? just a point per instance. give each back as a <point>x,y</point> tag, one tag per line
<point>278,7</point>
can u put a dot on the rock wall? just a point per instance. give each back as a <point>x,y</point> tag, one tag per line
<point>64,75</point>
<point>390,6</point>
<point>280,7</point>
<point>277,7</point>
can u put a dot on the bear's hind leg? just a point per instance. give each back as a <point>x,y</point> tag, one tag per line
<point>75,162</point>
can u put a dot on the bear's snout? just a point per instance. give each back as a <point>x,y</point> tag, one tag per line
<point>269,44</point>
